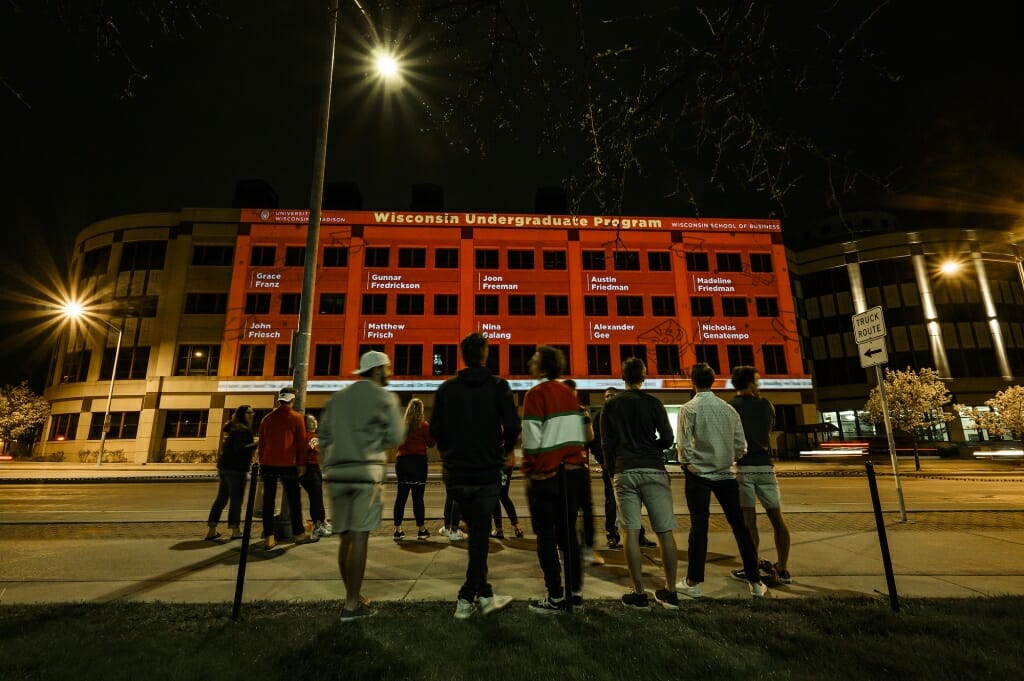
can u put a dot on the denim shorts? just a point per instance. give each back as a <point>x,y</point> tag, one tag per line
<point>647,486</point>
<point>758,483</point>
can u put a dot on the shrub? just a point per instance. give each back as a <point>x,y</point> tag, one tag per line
<point>191,456</point>
<point>109,456</point>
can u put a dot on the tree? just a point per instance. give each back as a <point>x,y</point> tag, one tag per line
<point>1007,415</point>
<point>21,411</point>
<point>915,403</point>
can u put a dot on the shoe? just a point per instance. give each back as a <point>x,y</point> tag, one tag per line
<point>212,535</point>
<point>592,558</point>
<point>399,535</point>
<point>519,531</point>
<point>464,609</point>
<point>270,542</point>
<point>668,599</point>
<point>456,535</point>
<point>685,589</point>
<point>646,543</point>
<point>577,601</point>
<point>423,534</point>
<point>636,601</point>
<point>236,533</point>
<point>491,604</point>
<point>739,575</point>
<point>306,538</point>
<point>614,541</point>
<point>498,534</point>
<point>783,575</point>
<point>548,606</point>
<point>323,529</point>
<point>360,613</point>
<point>443,531</point>
<point>758,589</point>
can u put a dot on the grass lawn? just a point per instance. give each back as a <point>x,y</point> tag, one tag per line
<point>708,640</point>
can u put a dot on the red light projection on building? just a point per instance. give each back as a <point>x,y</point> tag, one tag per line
<point>673,291</point>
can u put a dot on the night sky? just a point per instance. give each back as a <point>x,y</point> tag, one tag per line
<point>238,99</point>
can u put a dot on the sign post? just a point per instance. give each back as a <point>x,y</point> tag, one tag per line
<point>869,332</point>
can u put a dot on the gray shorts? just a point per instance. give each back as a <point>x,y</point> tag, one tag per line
<point>758,483</point>
<point>647,486</point>
<point>355,506</point>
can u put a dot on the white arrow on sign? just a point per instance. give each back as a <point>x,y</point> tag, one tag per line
<point>872,353</point>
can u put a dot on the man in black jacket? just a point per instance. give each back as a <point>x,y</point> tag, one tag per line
<point>475,424</point>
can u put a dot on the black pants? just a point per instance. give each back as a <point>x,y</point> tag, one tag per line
<point>411,471</point>
<point>313,482</point>
<point>232,487</point>
<point>477,503</point>
<point>698,501</point>
<point>587,508</point>
<point>452,512</point>
<point>554,522</point>
<point>289,477</point>
<point>506,502</point>
<point>610,510</point>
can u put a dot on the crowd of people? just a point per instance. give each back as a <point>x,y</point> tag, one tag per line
<point>722,447</point>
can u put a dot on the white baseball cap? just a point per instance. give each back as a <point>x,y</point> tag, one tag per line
<point>286,395</point>
<point>372,359</point>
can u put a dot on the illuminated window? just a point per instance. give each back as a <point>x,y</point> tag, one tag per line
<point>739,355</point>
<point>734,307</point>
<point>445,360</point>
<point>197,360</point>
<point>409,303</point>
<point>412,257</point>
<point>701,306</point>
<point>599,360</point>
<point>663,306</point>
<point>659,261</point>
<point>593,260</point>
<point>595,306</point>
<point>206,303</point>
<point>487,258</point>
<point>522,305</point>
<point>446,304</point>
<point>667,357</point>
<point>446,258</point>
<point>486,304</point>
<point>409,360</point>
<point>767,307</point>
<point>375,303</point>
<point>376,257</point>
<point>186,423</point>
<point>556,306</point>
<point>629,306</point>
<point>697,262</point>
<point>63,427</point>
<point>257,303</point>
<point>250,360</point>
<point>212,255</point>
<point>761,262</point>
<point>295,256</point>
<point>290,303</point>
<point>520,259</point>
<point>627,260</point>
<point>729,262</point>
<point>262,256</point>
<point>774,359</point>
<point>709,355</point>
<point>554,260</point>
<point>332,303</point>
<point>335,256</point>
<point>124,425</point>
<point>327,360</point>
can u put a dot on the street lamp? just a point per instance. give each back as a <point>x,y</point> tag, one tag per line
<point>76,311</point>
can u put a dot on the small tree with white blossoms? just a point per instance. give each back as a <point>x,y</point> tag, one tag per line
<point>21,411</point>
<point>915,403</point>
<point>1007,415</point>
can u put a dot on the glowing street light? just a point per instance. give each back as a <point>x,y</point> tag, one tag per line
<point>76,311</point>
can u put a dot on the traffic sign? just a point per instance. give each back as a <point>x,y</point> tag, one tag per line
<point>872,353</point>
<point>869,326</point>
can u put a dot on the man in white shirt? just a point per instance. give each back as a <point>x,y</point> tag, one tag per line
<point>710,440</point>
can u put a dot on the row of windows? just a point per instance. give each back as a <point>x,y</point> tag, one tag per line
<point>132,364</point>
<point>124,425</point>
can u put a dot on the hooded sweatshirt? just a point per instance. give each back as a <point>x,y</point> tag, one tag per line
<point>357,427</point>
<point>475,424</point>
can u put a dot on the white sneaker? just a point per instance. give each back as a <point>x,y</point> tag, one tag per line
<point>323,529</point>
<point>464,609</point>
<point>684,589</point>
<point>492,604</point>
<point>758,589</point>
<point>443,531</point>
<point>591,557</point>
<point>456,535</point>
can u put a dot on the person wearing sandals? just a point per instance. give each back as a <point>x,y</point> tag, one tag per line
<point>505,501</point>
<point>313,481</point>
<point>238,443</point>
<point>411,469</point>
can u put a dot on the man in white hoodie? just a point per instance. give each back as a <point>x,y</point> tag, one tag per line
<point>357,427</point>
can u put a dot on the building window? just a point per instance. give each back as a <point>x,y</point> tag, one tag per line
<point>412,257</point>
<point>599,360</point>
<point>486,304</point>
<point>212,255</point>
<point>368,347</point>
<point>290,303</point>
<point>327,360</point>
<point>446,304</point>
<point>556,306</point>
<point>445,360</point>
<point>520,259</point>
<point>494,359</point>
<point>76,366</point>
<point>697,262</point>
<point>667,357</point>
<point>250,360</point>
<point>63,427</point>
<point>568,357</point>
<point>375,256</point>
<point>409,303</point>
<point>628,351</point>
<point>257,303</point>
<point>409,360</point>
<point>554,260</point>
<point>519,359</point>
<point>728,262</point>
<point>132,363</point>
<point>197,360</point>
<point>124,425</point>
<point>487,258</point>
<point>142,255</point>
<point>593,260</point>
<point>774,359</point>
<point>709,355</point>
<point>262,256</point>
<point>336,256</point>
<point>295,256</point>
<point>761,262</point>
<point>96,262</point>
<point>663,306</point>
<point>522,305</point>
<point>595,306</point>
<point>446,258</point>
<point>186,423</point>
<point>659,261</point>
<point>767,307</point>
<point>627,260</point>
<point>283,360</point>
<point>629,306</point>
<point>332,303</point>
<point>701,306</point>
<point>734,307</point>
<point>740,355</point>
<point>206,303</point>
<point>375,303</point>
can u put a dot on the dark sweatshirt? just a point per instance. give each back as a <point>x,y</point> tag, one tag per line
<point>635,431</point>
<point>475,424</point>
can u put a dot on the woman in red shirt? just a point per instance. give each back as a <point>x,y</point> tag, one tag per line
<point>411,469</point>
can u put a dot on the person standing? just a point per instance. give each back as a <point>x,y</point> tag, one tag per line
<point>282,452</point>
<point>553,441</point>
<point>313,481</point>
<point>636,433</point>
<point>233,464</point>
<point>711,439</point>
<point>475,424</point>
<point>411,469</point>
<point>505,501</point>
<point>358,425</point>
<point>587,501</point>
<point>755,472</point>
